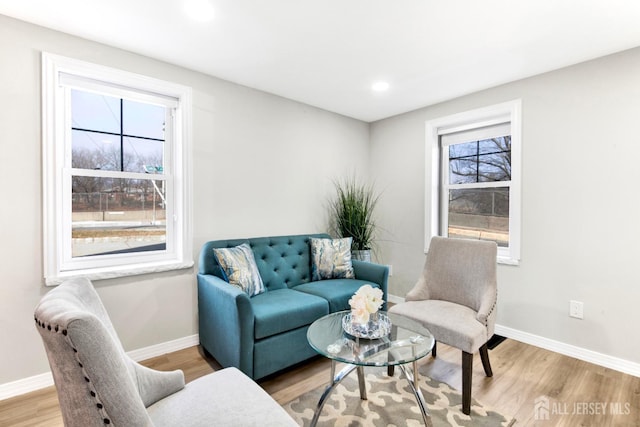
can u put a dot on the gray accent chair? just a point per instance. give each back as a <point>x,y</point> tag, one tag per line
<point>98,384</point>
<point>455,298</point>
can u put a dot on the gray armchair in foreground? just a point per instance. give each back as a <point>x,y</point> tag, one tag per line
<point>98,384</point>
<point>455,298</point>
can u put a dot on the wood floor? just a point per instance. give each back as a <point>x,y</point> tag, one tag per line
<point>574,390</point>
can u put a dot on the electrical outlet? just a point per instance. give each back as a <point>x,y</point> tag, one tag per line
<point>576,309</point>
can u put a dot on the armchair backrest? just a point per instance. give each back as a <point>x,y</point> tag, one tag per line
<point>283,261</point>
<point>92,373</point>
<point>461,271</point>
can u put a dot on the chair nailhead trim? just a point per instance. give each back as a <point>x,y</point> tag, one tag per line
<point>92,393</point>
<point>493,307</point>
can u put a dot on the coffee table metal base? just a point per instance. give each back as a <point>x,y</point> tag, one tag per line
<point>412,377</point>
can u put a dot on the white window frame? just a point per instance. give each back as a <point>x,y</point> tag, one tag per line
<point>500,113</point>
<point>58,264</point>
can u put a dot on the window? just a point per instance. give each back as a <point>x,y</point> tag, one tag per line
<point>116,184</point>
<point>475,177</point>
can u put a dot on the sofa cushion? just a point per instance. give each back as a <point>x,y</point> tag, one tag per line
<point>239,268</point>
<point>226,397</point>
<point>336,291</point>
<point>331,259</point>
<point>282,310</point>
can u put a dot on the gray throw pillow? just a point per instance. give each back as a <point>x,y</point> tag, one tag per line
<point>239,268</point>
<point>331,259</point>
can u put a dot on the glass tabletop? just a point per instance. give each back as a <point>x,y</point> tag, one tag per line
<point>408,341</point>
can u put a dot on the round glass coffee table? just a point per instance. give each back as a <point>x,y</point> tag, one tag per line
<point>407,342</point>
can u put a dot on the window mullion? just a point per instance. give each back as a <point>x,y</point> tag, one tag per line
<point>117,174</point>
<point>477,156</point>
<point>121,135</point>
<point>484,184</point>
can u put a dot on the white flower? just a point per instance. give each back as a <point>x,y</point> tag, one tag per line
<point>366,301</point>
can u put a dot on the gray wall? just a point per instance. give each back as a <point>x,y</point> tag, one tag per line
<point>263,165</point>
<point>580,202</point>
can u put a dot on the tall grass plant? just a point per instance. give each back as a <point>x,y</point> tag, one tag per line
<point>352,211</point>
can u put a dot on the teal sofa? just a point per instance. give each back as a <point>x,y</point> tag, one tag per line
<point>266,333</point>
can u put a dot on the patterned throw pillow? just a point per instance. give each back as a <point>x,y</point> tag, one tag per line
<point>239,268</point>
<point>331,259</point>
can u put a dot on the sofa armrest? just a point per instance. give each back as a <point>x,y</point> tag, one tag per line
<point>375,273</point>
<point>226,323</point>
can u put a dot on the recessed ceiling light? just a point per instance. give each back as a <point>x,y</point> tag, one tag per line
<point>380,86</point>
<point>199,10</point>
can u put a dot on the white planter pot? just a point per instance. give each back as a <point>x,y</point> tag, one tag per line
<point>362,255</point>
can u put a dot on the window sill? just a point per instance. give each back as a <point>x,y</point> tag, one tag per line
<point>508,261</point>
<point>115,272</point>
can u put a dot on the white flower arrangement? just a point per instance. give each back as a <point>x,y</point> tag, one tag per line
<point>366,301</point>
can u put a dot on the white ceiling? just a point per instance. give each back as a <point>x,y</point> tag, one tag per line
<point>328,53</point>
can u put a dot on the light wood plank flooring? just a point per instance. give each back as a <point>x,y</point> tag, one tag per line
<point>522,374</point>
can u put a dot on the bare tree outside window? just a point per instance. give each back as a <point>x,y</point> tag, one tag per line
<point>478,204</point>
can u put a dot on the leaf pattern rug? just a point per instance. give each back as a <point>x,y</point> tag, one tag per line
<point>391,403</point>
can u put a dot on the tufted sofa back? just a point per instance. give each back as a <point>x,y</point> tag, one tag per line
<point>283,261</point>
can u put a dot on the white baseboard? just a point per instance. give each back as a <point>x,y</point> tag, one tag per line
<point>37,382</point>
<point>580,353</point>
<point>25,385</point>
<point>164,348</point>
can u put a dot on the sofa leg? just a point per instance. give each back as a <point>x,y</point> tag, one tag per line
<point>205,353</point>
<point>484,356</point>
<point>467,375</point>
<point>433,350</point>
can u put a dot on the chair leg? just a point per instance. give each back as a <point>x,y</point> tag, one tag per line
<point>394,335</point>
<point>467,375</point>
<point>484,356</point>
<point>433,350</point>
